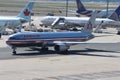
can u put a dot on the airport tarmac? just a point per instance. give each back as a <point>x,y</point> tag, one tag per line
<point>85,62</point>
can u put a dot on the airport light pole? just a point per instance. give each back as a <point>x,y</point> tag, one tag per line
<point>107,8</point>
<point>66,8</point>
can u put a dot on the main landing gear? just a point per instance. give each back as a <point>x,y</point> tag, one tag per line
<point>14,50</point>
<point>44,48</point>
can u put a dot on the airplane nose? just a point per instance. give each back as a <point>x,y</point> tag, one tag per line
<point>7,42</point>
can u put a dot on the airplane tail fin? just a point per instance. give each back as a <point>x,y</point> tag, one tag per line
<point>116,14</point>
<point>26,12</point>
<point>80,6</point>
<point>82,10</point>
<point>88,28</point>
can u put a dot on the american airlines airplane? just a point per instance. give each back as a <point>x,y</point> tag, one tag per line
<point>101,13</point>
<point>60,40</point>
<point>112,20</point>
<point>13,22</point>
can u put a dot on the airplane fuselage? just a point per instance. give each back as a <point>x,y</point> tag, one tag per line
<point>81,21</point>
<point>9,22</point>
<point>45,38</point>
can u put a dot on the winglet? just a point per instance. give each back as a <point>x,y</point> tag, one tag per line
<point>88,28</point>
<point>26,12</point>
<point>115,15</point>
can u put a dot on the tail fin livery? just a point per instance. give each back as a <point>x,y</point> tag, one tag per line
<point>82,10</point>
<point>80,6</point>
<point>115,15</point>
<point>88,28</point>
<point>26,12</point>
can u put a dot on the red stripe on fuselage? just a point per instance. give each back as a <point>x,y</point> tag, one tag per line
<point>44,40</point>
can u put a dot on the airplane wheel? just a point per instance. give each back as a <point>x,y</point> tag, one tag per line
<point>75,29</point>
<point>44,48</point>
<point>118,33</point>
<point>14,52</point>
<point>64,52</point>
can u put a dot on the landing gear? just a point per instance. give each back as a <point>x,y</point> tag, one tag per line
<point>118,33</point>
<point>44,48</point>
<point>65,52</point>
<point>118,29</point>
<point>75,29</point>
<point>61,49</point>
<point>14,50</point>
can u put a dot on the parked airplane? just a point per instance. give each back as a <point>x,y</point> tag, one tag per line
<point>60,40</point>
<point>112,20</point>
<point>13,22</point>
<point>101,13</point>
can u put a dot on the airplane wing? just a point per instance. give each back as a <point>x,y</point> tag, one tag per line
<point>86,43</point>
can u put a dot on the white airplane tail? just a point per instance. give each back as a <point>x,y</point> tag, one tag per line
<point>88,28</point>
<point>26,12</point>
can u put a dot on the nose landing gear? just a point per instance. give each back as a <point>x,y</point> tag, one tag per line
<point>14,50</point>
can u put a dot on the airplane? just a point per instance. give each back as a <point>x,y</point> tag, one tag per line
<point>14,22</point>
<point>61,41</point>
<point>112,20</point>
<point>101,13</point>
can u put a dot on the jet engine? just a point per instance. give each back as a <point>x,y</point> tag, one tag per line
<point>61,47</point>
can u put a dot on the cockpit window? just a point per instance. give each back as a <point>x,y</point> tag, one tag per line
<point>12,38</point>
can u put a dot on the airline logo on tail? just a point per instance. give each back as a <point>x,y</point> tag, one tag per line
<point>116,15</point>
<point>88,28</point>
<point>26,12</point>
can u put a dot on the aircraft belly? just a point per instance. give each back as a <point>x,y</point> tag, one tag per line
<point>25,44</point>
<point>29,43</point>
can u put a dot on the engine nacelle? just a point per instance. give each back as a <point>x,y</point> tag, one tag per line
<point>61,47</point>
